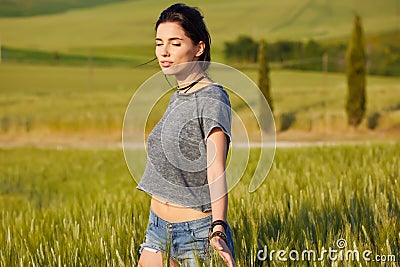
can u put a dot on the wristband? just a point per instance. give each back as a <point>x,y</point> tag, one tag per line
<point>218,222</point>
<point>220,234</point>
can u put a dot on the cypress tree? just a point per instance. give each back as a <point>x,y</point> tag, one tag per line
<point>356,76</point>
<point>264,84</point>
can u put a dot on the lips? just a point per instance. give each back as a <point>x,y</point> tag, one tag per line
<point>166,64</point>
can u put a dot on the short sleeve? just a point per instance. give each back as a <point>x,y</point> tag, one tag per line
<point>216,112</point>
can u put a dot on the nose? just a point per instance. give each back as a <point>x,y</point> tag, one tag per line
<point>164,51</point>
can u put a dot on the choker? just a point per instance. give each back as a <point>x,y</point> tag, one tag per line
<point>188,87</point>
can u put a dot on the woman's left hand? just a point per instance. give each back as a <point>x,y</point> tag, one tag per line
<point>223,250</point>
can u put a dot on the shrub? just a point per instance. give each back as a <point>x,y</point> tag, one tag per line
<point>287,120</point>
<point>373,120</point>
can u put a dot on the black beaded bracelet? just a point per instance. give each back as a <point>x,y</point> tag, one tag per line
<point>218,222</point>
<point>220,234</point>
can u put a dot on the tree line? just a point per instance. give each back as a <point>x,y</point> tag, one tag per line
<point>381,59</point>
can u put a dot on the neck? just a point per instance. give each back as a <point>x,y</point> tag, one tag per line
<point>189,73</point>
<point>186,88</point>
<point>184,81</point>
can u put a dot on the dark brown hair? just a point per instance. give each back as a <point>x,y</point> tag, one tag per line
<point>191,20</point>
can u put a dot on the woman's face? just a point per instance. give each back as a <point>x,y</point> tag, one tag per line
<point>173,46</point>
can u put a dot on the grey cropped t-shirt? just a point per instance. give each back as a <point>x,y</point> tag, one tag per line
<point>176,168</point>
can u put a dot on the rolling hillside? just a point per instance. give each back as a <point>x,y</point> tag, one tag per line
<point>130,24</point>
<point>23,8</point>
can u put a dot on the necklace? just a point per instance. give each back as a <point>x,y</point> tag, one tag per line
<point>188,87</point>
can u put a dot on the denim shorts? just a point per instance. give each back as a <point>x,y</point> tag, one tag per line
<point>184,242</point>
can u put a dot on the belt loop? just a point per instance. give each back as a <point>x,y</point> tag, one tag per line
<point>155,218</point>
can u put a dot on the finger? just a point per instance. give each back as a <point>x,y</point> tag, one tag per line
<point>225,256</point>
<point>229,261</point>
<point>217,245</point>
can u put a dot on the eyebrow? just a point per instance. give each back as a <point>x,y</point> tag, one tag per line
<point>170,39</point>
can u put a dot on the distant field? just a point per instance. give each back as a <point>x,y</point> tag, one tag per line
<point>91,57</point>
<point>40,100</point>
<point>81,208</point>
<point>131,23</point>
<point>70,99</point>
<point>21,8</point>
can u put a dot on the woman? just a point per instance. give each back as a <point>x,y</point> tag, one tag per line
<point>187,149</point>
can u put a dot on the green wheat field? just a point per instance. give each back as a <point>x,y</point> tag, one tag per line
<point>80,207</point>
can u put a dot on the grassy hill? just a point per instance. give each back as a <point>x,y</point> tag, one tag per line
<point>22,8</point>
<point>110,29</point>
<point>40,100</point>
<point>66,104</point>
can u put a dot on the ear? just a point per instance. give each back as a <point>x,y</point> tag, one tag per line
<point>200,48</point>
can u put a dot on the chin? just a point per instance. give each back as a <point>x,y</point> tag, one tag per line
<point>174,69</point>
<point>168,70</point>
<point>182,69</point>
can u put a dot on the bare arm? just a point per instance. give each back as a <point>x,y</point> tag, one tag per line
<point>216,151</point>
<point>216,160</point>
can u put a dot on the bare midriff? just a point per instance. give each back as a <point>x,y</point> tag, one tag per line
<point>172,212</point>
